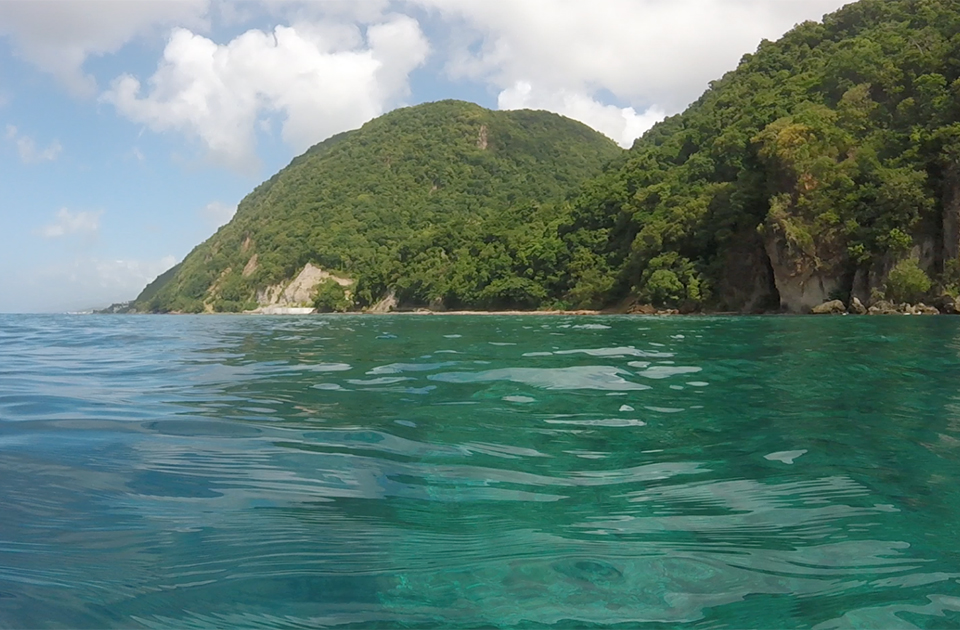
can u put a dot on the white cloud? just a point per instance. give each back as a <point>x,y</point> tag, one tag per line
<point>68,223</point>
<point>616,65</point>
<point>322,78</point>
<point>623,124</point>
<point>59,37</point>
<point>216,213</point>
<point>365,11</point>
<point>570,56</point>
<point>27,148</point>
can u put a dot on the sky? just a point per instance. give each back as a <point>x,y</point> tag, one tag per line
<point>131,129</point>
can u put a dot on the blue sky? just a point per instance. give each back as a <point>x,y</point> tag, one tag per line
<point>130,129</point>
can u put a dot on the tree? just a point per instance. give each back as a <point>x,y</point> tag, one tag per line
<point>331,297</point>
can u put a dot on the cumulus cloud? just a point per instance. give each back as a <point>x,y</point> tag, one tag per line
<point>623,124</point>
<point>27,147</point>
<point>216,213</point>
<point>653,56</point>
<point>321,78</point>
<point>616,65</point>
<point>67,223</point>
<point>366,12</point>
<point>58,38</point>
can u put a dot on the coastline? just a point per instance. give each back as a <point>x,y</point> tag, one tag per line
<point>429,312</point>
<point>551,313</point>
<point>836,307</point>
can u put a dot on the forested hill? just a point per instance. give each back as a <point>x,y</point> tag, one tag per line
<point>827,165</point>
<point>443,203</point>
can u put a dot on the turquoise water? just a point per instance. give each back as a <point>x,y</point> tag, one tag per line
<point>199,472</point>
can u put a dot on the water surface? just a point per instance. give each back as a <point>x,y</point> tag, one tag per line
<point>199,472</point>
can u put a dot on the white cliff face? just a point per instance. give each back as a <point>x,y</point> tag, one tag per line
<point>802,286</point>
<point>284,310</point>
<point>387,304</point>
<point>296,296</point>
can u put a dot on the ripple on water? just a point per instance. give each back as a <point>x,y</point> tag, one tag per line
<point>596,377</point>
<point>326,367</point>
<point>599,422</point>
<point>617,353</point>
<point>658,372</point>
<point>301,472</point>
<point>400,368</point>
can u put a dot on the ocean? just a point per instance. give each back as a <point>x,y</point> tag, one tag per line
<point>479,471</point>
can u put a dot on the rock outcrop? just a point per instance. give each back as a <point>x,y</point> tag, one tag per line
<point>947,305</point>
<point>747,283</point>
<point>285,310</point>
<point>857,307</point>
<point>642,309</point>
<point>833,307</point>
<point>386,304</point>
<point>297,294</point>
<point>801,279</point>
<point>251,267</point>
<point>882,307</point>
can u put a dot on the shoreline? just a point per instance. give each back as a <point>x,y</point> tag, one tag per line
<point>498,313</point>
<point>551,313</point>
<point>517,314</point>
<point>833,308</point>
<point>429,312</point>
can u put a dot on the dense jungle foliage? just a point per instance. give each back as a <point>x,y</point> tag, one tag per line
<point>837,146</point>
<point>443,202</point>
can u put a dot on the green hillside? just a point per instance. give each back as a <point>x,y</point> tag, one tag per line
<point>825,162</point>
<point>827,165</point>
<point>440,203</point>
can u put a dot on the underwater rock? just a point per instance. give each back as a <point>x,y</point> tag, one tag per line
<point>593,571</point>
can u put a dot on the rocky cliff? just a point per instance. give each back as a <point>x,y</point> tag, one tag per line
<point>837,145</point>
